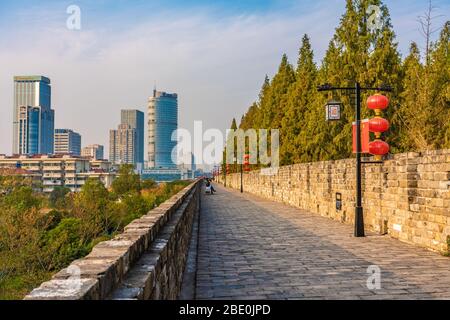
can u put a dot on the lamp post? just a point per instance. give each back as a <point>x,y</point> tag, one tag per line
<point>242,174</point>
<point>359,212</point>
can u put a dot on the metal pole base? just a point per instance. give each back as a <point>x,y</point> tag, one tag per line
<point>359,222</point>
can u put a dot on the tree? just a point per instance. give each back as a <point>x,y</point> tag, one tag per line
<point>299,99</point>
<point>57,197</point>
<point>425,107</point>
<point>229,137</point>
<point>92,206</point>
<point>427,30</point>
<point>413,110</point>
<point>148,184</point>
<point>274,104</point>
<point>439,90</point>
<point>127,181</point>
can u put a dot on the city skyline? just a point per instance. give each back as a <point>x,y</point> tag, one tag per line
<point>182,49</point>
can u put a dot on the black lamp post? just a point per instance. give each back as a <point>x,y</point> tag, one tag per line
<point>242,183</point>
<point>359,212</point>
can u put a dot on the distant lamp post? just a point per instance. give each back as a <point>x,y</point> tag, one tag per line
<point>245,166</point>
<point>333,110</point>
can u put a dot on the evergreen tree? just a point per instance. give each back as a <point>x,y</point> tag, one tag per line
<point>299,99</point>
<point>419,111</point>
<point>411,112</point>
<point>439,90</point>
<point>317,135</point>
<point>273,104</point>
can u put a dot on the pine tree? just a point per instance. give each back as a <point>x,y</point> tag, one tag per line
<point>420,102</point>
<point>299,98</point>
<point>411,112</point>
<point>233,126</point>
<point>273,105</point>
<point>439,91</point>
<point>317,137</point>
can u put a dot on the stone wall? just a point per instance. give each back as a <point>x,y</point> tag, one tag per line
<point>146,261</point>
<point>408,197</point>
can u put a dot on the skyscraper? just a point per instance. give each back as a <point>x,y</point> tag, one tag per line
<point>67,141</point>
<point>162,122</point>
<point>135,119</point>
<point>122,144</point>
<point>94,151</point>
<point>33,118</point>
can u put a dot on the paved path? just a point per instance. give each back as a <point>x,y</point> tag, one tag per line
<point>251,248</point>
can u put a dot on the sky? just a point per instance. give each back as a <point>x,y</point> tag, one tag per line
<point>214,54</point>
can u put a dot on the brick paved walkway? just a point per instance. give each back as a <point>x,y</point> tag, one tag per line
<point>250,248</point>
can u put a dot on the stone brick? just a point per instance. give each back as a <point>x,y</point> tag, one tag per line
<point>417,183</point>
<point>152,247</point>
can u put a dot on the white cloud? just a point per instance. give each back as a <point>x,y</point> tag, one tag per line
<point>216,65</point>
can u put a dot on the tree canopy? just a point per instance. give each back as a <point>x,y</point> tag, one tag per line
<point>419,111</point>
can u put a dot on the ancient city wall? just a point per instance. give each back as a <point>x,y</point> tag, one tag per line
<point>146,261</point>
<point>408,197</point>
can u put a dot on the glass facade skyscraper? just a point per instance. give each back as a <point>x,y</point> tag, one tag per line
<point>162,122</point>
<point>135,119</point>
<point>33,118</point>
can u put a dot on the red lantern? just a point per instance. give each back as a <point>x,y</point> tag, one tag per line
<point>378,148</point>
<point>377,102</point>
<point>378,125</point>
<point>247,163</point>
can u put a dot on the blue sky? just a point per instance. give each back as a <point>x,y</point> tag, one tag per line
<point>215,54</point>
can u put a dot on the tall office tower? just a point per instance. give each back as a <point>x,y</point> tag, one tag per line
<point>33,118</point>
<point>162,122</point>
<point>135,119</point>
<point>122,144</point>
<point>94,151</point>
<point>67,141</point>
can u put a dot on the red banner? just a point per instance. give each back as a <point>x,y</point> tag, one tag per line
<point>365,136</point>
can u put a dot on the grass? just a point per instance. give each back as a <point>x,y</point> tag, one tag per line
<point>17,286</point>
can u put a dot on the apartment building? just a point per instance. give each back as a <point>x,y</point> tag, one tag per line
<point>60,170</point>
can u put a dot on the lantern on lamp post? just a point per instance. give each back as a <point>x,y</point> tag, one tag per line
<point>378,125</point>
<point>333,112</point>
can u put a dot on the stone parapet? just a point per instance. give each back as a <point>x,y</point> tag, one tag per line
<point>407,197</point>
<point>159,239</point>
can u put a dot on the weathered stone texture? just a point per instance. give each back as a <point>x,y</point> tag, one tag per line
<point>146,261</point>
<point>408,197</point>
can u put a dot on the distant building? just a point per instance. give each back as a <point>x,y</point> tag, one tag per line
<point>162,122</point>
<point>33,118</point>
<point>186,164</point>
<point>122,143</point>
<point>94,151</point>
<point>162,175</point>
<point>67,142</point>
<point>59,170</point>
<point>135,119</point>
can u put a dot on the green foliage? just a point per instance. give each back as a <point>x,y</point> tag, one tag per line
<point>20,198</point>
<point>419,111</point>
<point>57,197</point>
<point>36,241</point>
<point>127,181</point>
<point>148,184</point>
<point>65,243</point>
